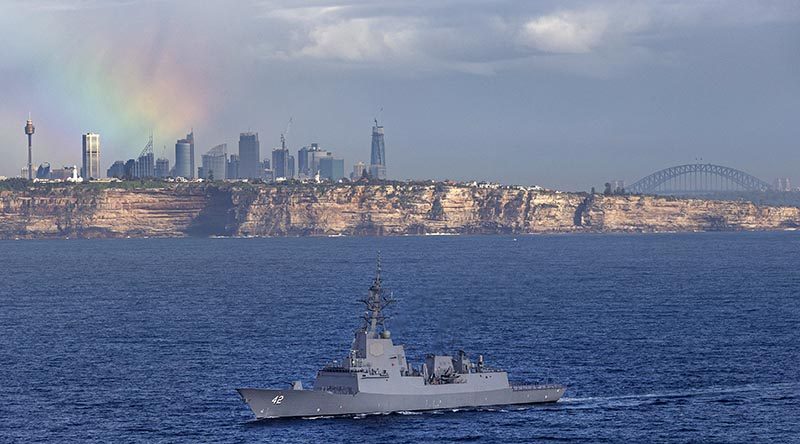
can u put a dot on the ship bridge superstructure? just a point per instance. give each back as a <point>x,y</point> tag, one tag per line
<point>376,364</point>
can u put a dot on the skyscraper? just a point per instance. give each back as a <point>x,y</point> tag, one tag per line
<point>377,164</point>
<point>90,154</point>
<point>145,165</point>
<point>249,156</point>
<point>190,139</point>
<point>215,163</point>
<point>302,162</point>
<point>280,163</point>
<point>183,159</point>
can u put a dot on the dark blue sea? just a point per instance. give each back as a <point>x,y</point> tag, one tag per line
<point>659,338</point>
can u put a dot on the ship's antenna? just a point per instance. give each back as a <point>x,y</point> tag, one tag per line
<point>375,302</point>
<point>378,270</point>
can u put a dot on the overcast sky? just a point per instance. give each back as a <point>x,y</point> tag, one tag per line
<point>566,94</point>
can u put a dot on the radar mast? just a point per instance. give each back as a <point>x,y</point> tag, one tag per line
<point>375,301</point>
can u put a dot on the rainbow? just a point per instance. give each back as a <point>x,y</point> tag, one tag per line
<point>98,78</point>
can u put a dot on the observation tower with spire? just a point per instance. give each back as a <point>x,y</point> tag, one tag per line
<point>29,129</point>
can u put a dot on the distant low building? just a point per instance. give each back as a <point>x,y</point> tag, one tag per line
<point>117,170</point>
<point>315,156</point>
<point>331,169</point>
<point>215,163</point>
<point>232,170</point>
<point>43,172</point>
<point>358,171</point>
<point>61,173</point>
<point>162,168</point>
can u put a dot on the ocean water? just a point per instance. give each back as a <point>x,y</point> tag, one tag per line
<point>659,338</point>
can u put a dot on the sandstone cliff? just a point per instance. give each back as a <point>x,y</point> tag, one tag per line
<point>385,209</point>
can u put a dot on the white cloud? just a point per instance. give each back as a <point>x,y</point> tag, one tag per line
<point>361,39</point>
<point>482,38</point>
<point>565,32</point>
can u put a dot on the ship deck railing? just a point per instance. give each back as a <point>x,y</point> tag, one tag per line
<point>527,387</point>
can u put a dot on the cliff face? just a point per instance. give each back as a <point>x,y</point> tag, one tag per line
<point>234,210</point>
<point>648,213</point>
<point>406,209</point>
<point>78,212</point>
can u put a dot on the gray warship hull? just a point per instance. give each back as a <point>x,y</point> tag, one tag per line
<point>375,377</point>
<point>272,403</point>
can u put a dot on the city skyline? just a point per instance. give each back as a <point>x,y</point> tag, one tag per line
<point>566,95</point>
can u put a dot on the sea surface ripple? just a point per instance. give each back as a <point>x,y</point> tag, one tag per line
<point>659,338</point>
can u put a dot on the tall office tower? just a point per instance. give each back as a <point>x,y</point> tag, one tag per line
<point>302,162</point>
<point>232,171</point>
<point>162,168</point>
<point>29,130</point>
<point>190,139</point>
<point>145,165</point>
<point>377,163</point>
<point>215,163</point>
<point>290,171</point>
<point>183,159</point>
<point>90,153</point>
<point>358,171</point>
<point>249,156</point>
<point>331,169</point>
<point>280,163</point>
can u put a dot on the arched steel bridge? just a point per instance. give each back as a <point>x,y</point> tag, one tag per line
<point>697,178</point>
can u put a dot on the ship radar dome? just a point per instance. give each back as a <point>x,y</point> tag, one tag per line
<point>386,334</point>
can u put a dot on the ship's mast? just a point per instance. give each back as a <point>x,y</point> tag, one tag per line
<point>375,302</point>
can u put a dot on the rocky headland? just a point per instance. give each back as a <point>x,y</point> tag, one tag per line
<point>237,209</point>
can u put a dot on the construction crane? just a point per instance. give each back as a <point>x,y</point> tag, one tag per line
<point>148,149</point>
<point>286,133</point>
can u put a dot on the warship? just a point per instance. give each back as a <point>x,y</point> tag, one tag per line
<point>375,378</point>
